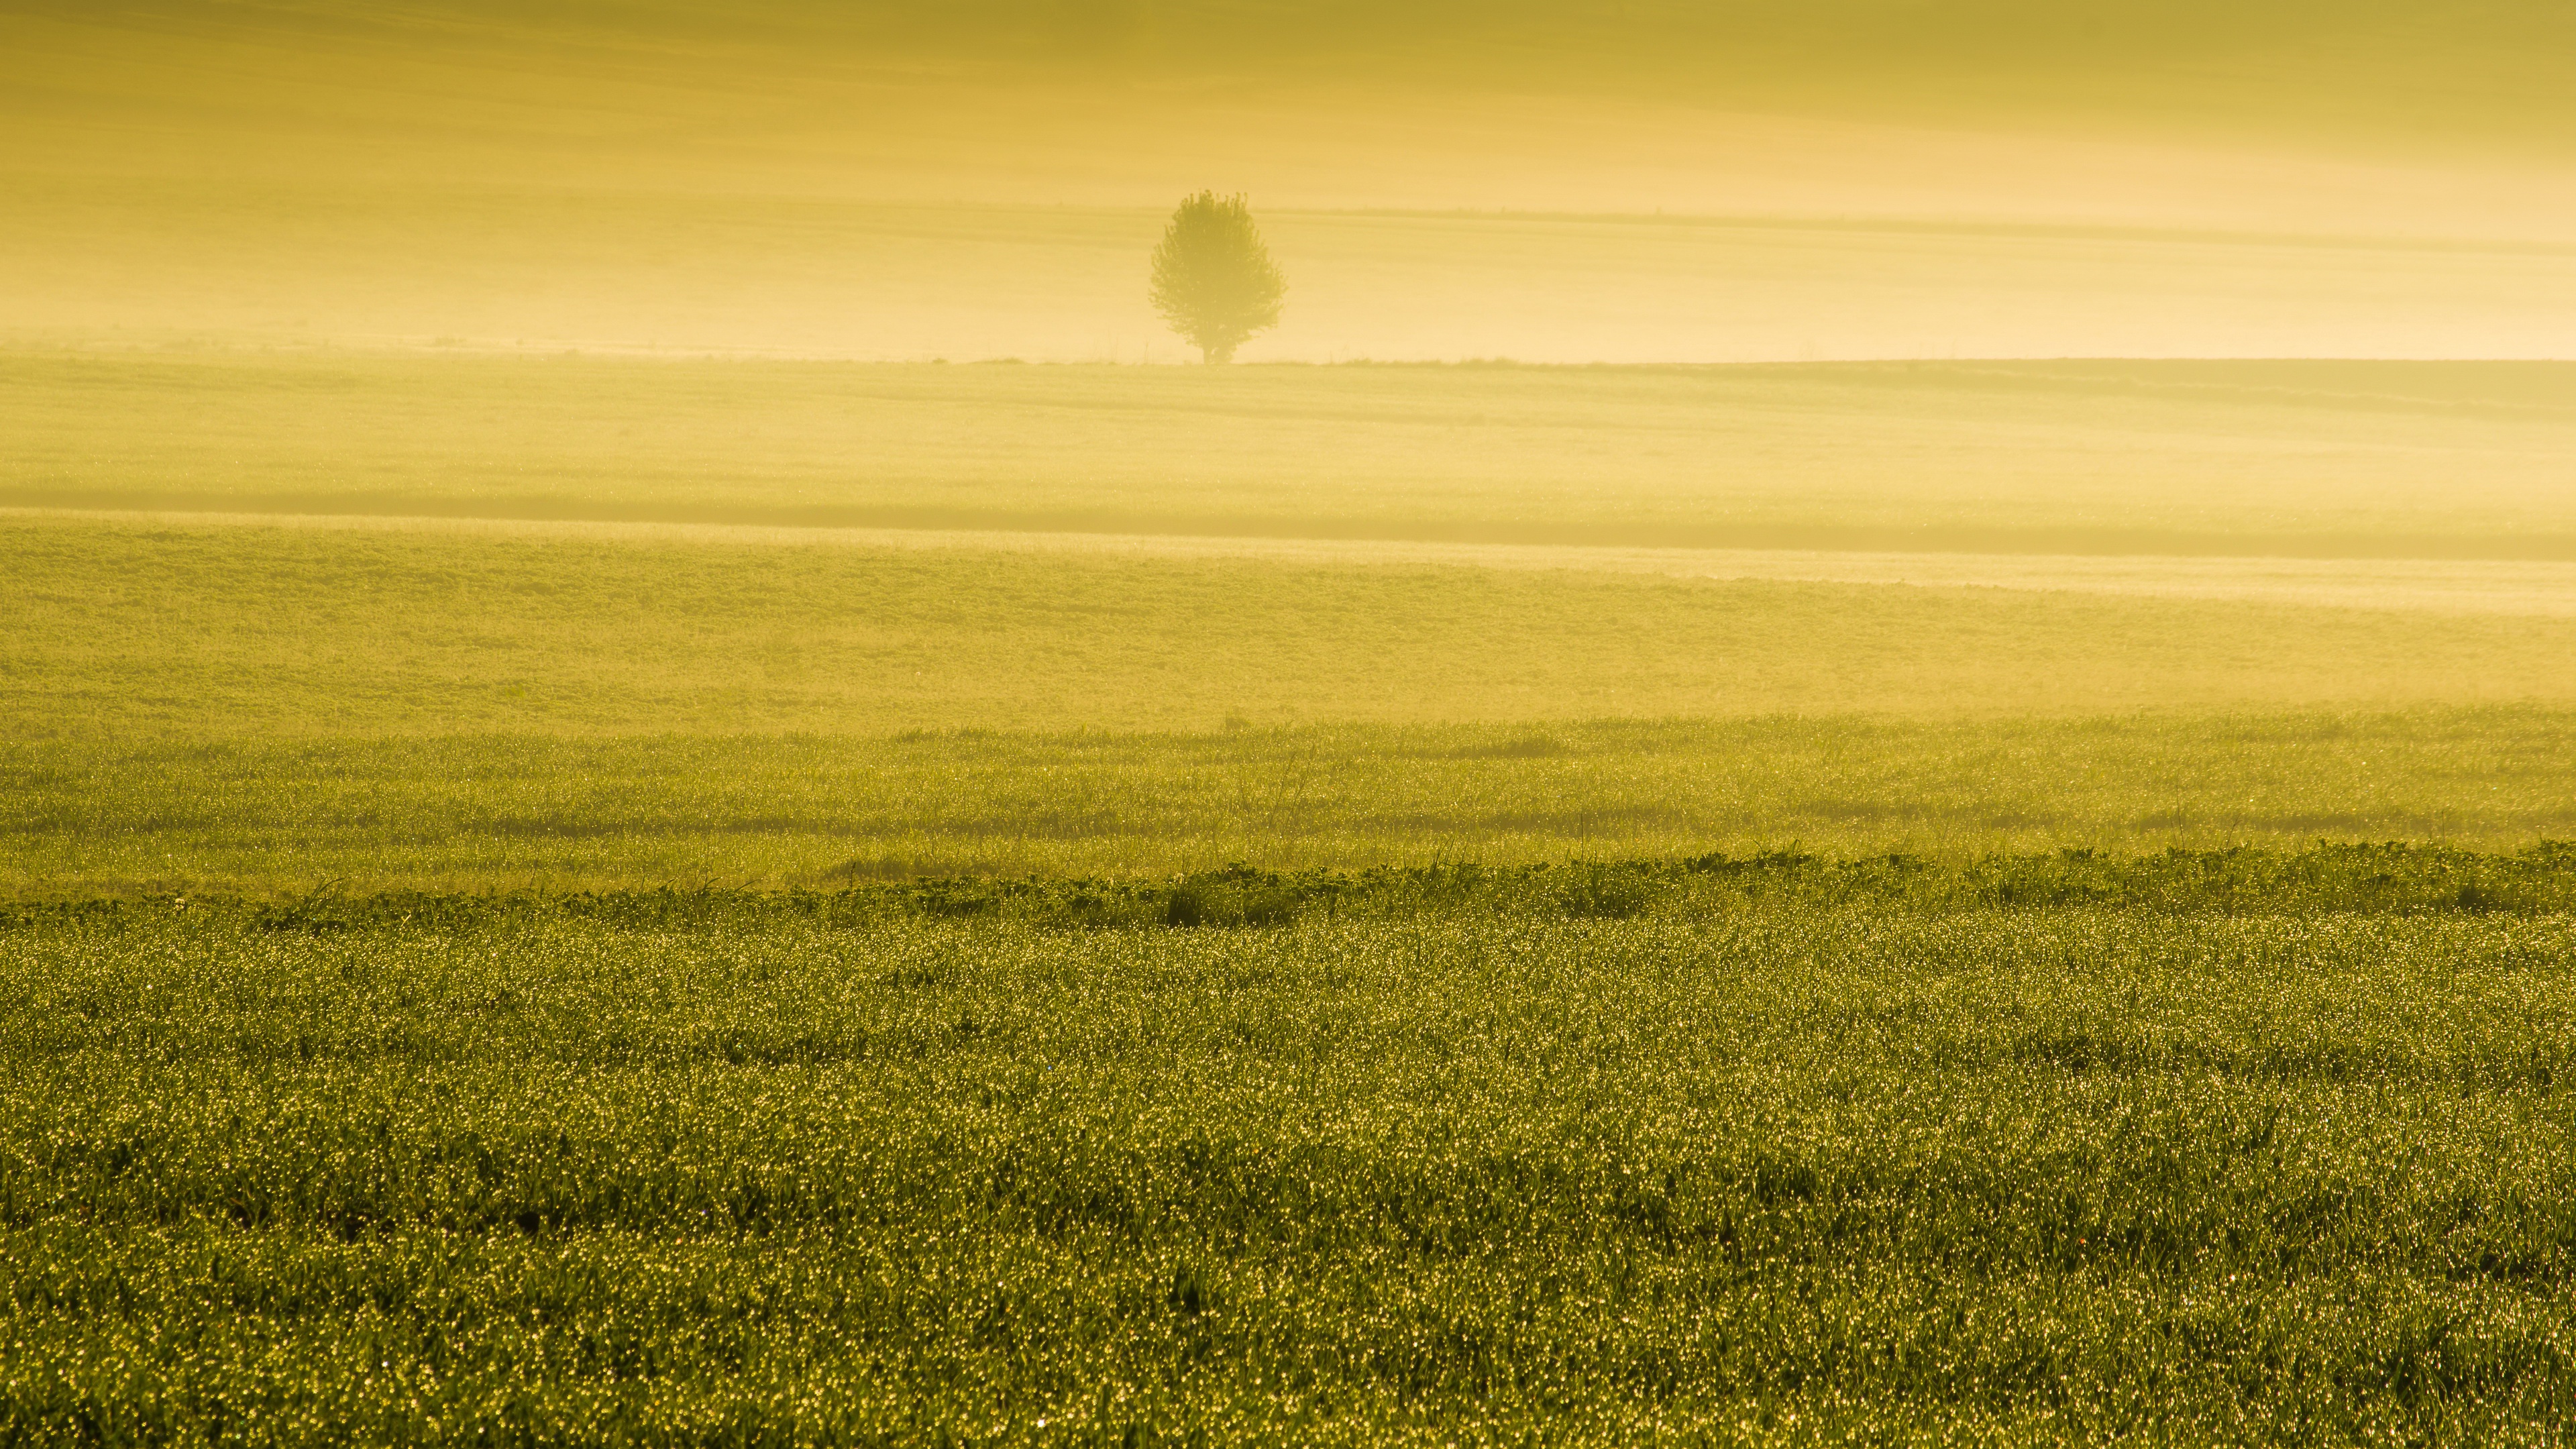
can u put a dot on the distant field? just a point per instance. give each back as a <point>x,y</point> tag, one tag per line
<point>133,630</point>
<point>2321,459</point>
<point>104,262</point>
<point>264,817</point>
<point>267,706</point>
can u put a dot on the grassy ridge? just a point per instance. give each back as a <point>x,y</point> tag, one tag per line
<point>2369,459</point>
<point>1506,1169</point>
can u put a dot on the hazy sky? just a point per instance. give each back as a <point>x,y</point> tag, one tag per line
<point>629,172</point>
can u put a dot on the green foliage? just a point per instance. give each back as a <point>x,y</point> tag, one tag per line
<point>2228,1147</point>
<point>1241,897</point>
<point>1213,279</point>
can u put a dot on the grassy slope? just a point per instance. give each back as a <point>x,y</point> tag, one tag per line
<point>1769,1176</point>
<point>202,705</point>
<point>277,706</point>
<point>2155,458</point>
<point>273,706</point>
<point>2324,458</point>
<point>137,630</point>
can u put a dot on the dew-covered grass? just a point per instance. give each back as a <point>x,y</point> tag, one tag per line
<point>2218,1148</point>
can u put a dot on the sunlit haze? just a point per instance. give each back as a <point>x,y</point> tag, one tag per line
<point>1287,724</point>
<point>1664,182</point>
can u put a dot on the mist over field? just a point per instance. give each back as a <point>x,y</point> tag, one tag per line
<point>1287,722</point>
<point>1650,182</point>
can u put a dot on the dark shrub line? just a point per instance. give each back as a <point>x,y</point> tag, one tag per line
<point>2376,879</point>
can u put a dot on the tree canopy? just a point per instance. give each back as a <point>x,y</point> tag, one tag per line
<point>1214,281</point>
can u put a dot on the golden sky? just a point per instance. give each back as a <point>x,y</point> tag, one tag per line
<point>657,173</point>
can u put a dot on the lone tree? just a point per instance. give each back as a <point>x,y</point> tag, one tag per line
<point>1213,279</point>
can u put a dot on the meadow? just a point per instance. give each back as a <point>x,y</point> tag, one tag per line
<point>142,629</point>
<point>653,970</point>
<point>263,818</point>
<point>2326,459</point>
<point>263,706</point>
<point>1863,732</point>
<point>2216,1149</point>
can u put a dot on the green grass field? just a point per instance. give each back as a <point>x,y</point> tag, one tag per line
<point>137,629</point>
<point>262,817</point>
<point>574,978</point>
<point>266,706</point>
<point>1615,1158</point>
